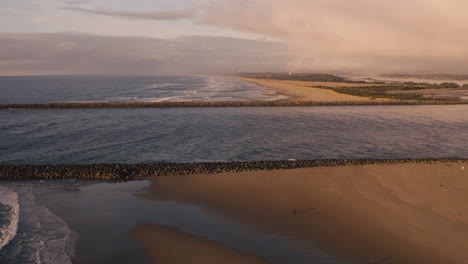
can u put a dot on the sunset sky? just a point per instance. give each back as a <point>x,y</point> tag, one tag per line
<point>159,36</point>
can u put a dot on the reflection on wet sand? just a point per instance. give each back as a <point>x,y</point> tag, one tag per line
<point>166,245</point>
<point>409,213</point>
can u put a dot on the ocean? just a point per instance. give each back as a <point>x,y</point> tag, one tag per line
<point>61,219</point>
<point>87,136</point>
<point>61,89</point>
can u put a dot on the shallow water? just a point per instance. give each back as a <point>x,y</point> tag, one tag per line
<point>9,215</point>
<point>103,214</point>
<point>41,237</point>
<point>232,134</point>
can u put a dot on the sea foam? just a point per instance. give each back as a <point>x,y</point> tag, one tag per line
<point>9,215</point>
<point>42,237</point>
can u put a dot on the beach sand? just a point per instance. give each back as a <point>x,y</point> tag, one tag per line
<point>169,245</point>
<point>302,91</point>
<point>408,213</point>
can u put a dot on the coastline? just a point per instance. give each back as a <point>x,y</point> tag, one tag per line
<point>299,91</point>
<point>411,213</point>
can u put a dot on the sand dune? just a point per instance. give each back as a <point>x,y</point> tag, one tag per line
<point>413,213</point>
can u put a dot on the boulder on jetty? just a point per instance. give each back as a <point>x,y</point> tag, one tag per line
<point>139,171</point>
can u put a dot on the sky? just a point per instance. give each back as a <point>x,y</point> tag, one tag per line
<point>225,36</point>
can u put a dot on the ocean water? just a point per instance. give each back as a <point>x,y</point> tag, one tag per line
<point>39,236</point>
<point>57,218</point>
<point>84,136</point>
<point>9,215</point>
<point>48,89</point>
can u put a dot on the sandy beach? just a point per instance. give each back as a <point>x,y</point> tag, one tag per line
<point>169,245</point>
<point>405,213</point>
<point>302,91</point>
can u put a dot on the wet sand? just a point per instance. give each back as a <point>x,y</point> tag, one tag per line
<point>169,245</point>
<point>406,213</point>
<point>303,91</point>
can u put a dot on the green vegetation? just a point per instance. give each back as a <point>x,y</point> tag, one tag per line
<point>448,85</point>
<point>384,91</point>
<point>444,85</point>
<point>436,76</point>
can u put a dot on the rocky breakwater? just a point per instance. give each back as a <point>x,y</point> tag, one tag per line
<point>140,171</point>
<point>98,105</point>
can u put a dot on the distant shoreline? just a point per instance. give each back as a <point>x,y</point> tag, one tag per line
<point>299,91</point>
<point>124,172</point>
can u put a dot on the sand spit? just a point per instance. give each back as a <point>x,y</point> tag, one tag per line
<point>302,91</point>
<point>398,213</point>
<point>139,171</point>
<point>169,245</point>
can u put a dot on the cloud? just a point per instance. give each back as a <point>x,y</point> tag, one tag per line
<point>90,54</point>
<point>311,35</point>
<point>154,15</point>
<point>378,35</point>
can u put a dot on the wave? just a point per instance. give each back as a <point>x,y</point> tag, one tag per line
<point>124,98</point>
<point>162,99</point>
<point>160,85</point>
<point>9,215</point>
<point>42,237</point>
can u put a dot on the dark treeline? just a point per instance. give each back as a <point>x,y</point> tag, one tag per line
<point>435,76</point>
<point>219,104</point>
<point>308,77</point>
<point>444,85</point>
<point>385,91</point>
<point>122,172</point>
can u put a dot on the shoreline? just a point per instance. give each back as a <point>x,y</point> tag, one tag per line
<point>299,91</point>
<point>408,213</point>
<point>125,172</point>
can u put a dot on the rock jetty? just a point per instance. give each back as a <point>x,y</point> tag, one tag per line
<point>123,172</point>
<point>98,105</point>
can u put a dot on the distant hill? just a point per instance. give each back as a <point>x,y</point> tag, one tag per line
<point>432,76</point>
<point>310,77</point>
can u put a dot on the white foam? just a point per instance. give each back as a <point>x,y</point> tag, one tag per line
<point>162,99</point>
<point>9,228</point>
<point>124,98</point>
<point>44,238</point>
<point>159,85</point>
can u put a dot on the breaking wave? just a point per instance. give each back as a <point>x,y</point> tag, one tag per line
<point>41,236</point>
<point>9,215</point>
